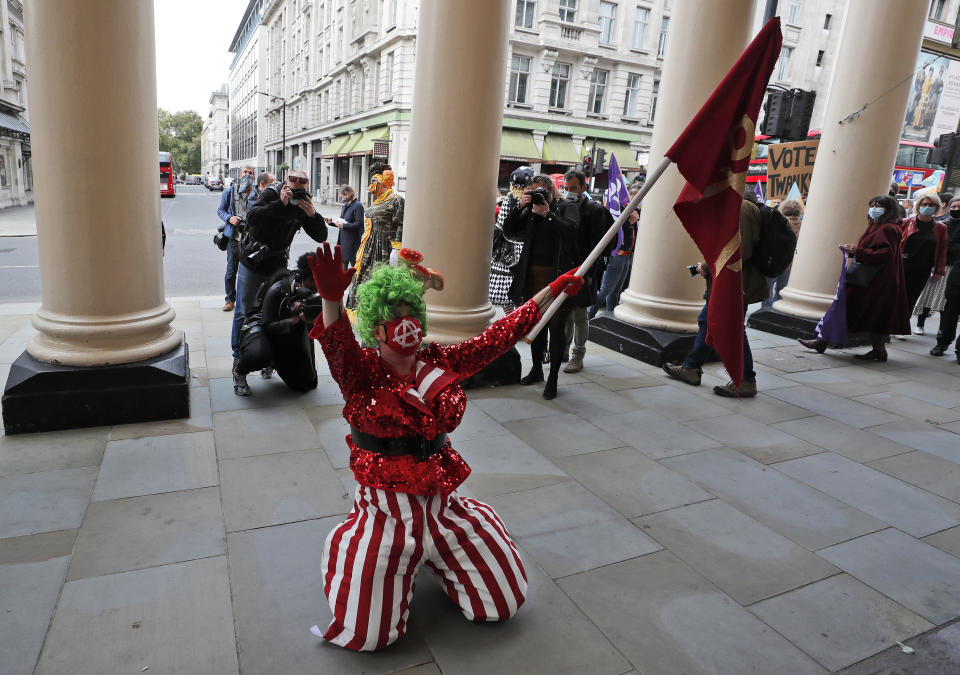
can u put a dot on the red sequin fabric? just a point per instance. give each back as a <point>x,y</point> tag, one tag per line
<point>374,402</point>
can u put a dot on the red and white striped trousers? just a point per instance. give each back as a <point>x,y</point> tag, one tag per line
<point>370,563</point>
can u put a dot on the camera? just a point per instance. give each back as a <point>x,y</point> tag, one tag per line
<point>692,269</point>
<point>539,195</point>
<point>257,256</point>
<point>298,194</point>
<point>220,240</point>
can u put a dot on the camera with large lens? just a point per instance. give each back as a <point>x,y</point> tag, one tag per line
<point>692,269</point>
<point>258,255</point>
<point>298,195</point>
<point>539,196</point>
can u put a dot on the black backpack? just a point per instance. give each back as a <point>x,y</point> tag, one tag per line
<point>774,252</point>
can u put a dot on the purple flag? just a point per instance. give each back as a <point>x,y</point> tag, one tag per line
<point>758,192</point>
<point>618,196</point>
<point>833,325</point>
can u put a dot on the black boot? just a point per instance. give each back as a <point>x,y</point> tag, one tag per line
<point>535,375</point>
<point>550,389</point>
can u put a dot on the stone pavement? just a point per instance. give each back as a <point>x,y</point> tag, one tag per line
<point>18,221</point>
<point>664,529</point>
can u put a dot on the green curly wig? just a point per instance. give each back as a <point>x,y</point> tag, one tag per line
<point>379,299</point>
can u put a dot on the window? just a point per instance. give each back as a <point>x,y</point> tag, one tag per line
<point>607,10</point>
<point>525,11</point>
<point>662,44</point>
<point>388,77</point>
<point>653,101</point>
<point>390,19</point>
<point>598,90</point>
<point>559,80</point>
<point>568,10</point>
<point>936,9</point>
<point>783,63</point>
<point>819,58</point>
<point>630,98</point>
<point>905,155</point>
<point>826,21</point>
<point>640,27</point>
<point>519,75</point>
<point>793,12</point>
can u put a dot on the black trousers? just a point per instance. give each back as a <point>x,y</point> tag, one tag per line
<point>558,343</point>
<point>948,318</point>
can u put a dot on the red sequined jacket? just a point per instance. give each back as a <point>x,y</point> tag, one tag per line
<point>380,402</point>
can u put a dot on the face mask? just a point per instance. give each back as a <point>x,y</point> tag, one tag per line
<point>345,200</point>
<point>571,195</point>
<point>403,335</point>
<point>927,210</point>
<point>875,212</point>
<point>955,214</point>
<point>246,182</point>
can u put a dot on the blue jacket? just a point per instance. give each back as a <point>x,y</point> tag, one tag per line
<point>226,207</point>
<point>351,231</point>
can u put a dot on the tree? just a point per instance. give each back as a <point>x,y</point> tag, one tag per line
<point>180,136</point>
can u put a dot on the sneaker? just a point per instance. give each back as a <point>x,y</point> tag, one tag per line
<point>267,372</point>
<point>575,365</point>
<point>918,330</point>
<point>682,373</point>
<point>747,390</point>
<point>228,306</point>
<point>240,386</point>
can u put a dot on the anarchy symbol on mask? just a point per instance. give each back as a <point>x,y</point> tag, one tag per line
<point>406,334</point>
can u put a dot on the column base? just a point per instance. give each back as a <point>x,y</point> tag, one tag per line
<point>503,371</point>
<point>649,345</point>
<point>43,396</point>
<point>788,325</point>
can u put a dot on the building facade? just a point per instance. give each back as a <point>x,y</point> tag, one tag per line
<point>247,81</point>
<point>215,136</point>
<point>16,173</point>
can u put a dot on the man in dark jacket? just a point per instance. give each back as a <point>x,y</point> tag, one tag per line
<point>350,223</point>
<point>233,213</point>
<point>547,228</point>
<point>271,225</point>
<point>951,292</point>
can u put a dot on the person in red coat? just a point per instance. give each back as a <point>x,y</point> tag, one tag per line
<point>881,308</point>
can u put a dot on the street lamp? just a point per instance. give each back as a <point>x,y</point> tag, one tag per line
<point>283,113</point>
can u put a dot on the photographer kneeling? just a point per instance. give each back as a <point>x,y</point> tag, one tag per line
<point>276,330</point>
<point>271,225</point>
<point>547,228</point>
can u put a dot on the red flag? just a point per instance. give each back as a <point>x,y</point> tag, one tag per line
<point>713,154</point>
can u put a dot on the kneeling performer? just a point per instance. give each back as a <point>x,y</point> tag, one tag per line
<point>401,402</point>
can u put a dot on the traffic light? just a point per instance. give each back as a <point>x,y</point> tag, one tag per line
<point>800,111</point>
<point>943,149</point>
<point>588,165</point>
<point>773,119</point>
<point>601,159</point>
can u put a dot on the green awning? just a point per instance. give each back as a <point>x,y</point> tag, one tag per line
<point>336,145</point>
<point>364,145</point>
<point>350,144</point>
<point>626,157</point>
<point>518,146</point>
<point>559,150</point>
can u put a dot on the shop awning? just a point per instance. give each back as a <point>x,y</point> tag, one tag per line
<point>337,145</point>
<point>559,150</point>
<point>364,144</point>
<point>14,126</point>
<point>351,143</point>
<point>626,157</point>
<point>518,146</point>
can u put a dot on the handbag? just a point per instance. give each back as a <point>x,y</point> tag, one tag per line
<point>861,274</point>
<point>220,240</point>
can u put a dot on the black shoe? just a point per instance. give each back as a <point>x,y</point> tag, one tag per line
<point>937,351</point>
<point>532,377</point>
<point>550,390</point>
<point>872,355</point>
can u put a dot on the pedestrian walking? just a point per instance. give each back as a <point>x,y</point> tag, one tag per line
<point>924,249</point>
<point>951,305</point>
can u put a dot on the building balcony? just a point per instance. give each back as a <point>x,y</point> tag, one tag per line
<point>570,32</point>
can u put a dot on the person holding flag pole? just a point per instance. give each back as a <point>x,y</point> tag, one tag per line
<point>713,154</point>
<point>618,264</point>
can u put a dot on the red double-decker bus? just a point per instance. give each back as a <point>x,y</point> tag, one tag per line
<point>167,188</point>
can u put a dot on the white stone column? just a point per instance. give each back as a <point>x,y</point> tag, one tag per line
<point>661,294</point>
<point>878,50</point>
<point>94,107</point>
<point>459,44</point>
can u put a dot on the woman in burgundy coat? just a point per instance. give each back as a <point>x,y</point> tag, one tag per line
<point>880,309</point>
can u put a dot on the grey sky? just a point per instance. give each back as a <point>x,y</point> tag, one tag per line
<point>192,41</point>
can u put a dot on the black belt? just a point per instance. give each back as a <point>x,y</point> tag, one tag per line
<point>420,447</point>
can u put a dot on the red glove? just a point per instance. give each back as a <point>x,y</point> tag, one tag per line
<point>328,273</point>
<point>568,283</point>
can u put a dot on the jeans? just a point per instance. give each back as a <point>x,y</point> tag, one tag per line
<point>230,278</point>
<point>248,283</point>
<point>700,351</point>
<point>612,283</point>
<point>775,284</point>
<point>576,330</point>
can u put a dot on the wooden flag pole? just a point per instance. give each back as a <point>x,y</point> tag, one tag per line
<point>602,244</point>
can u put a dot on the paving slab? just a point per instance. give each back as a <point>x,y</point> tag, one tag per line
<point>332,430</point>
<point>262,431</point>
<point>270,393</point>
<point>155,464</point>
<point>933,474</point>
<point>507,464</point>
<point>805,516</point>
<point>910,408</point>
<point>759,441</point>
<point>654,434</point>
<point>946,540</point>
<point>569,530</point>
<point>31,573</point>
<point>851,442</point>
<point>945,393</point>
<point>762,408</point>
<point>666,618</point>
<point>935,653</point>
<point>746,560</point>
<point>781,359</point>
<point>920,436</point>
<point>835,407</point>
<point>618,377</point>
<point>631,482</point>
<point>591,400</point>
<point>277,585</point>
<point>128,534</point>
<point>200,418</point>
<point>171,619</point>
<point>474,425</point>
<point>549,634</point>
<point>920,577</point>
<point>673,401</point>
<point>839,621</point>
<point>280,488</point>
<point>47,501</point>
<point>562,436</point>
<point>914,511</point>
<point>514,403</point>
<point>29,453</point>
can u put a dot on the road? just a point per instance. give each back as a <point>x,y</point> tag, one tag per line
<point>192,265</point>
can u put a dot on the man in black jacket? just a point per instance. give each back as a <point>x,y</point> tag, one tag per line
<point>271,225</point>
<point>350,223</point>
<point>951,292</point>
